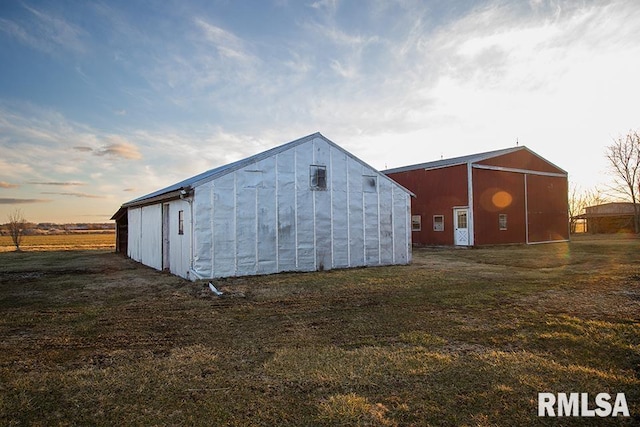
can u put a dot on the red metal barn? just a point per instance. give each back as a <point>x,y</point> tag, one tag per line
<point>498,197</point>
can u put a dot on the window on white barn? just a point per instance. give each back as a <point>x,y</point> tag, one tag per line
<point>180,222</point>
<point>502,221</point>
<point>318,177</point>
<point>438,223</point>
<point>369,184</point>
<point>416,222</point>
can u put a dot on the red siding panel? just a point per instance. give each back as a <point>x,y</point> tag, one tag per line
<point>548,210</point>
<point>497,193</point>
<point>437,192</point>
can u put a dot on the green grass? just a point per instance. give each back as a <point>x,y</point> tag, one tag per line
<point>460,337</point>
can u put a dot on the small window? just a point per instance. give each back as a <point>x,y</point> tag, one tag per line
<point>438,223</point>
<point>180,222</point>
<point>318,177</point>
<point>502,221</point>
<point>462,219</point>
<point>369,184</point>
<point>416,222</point>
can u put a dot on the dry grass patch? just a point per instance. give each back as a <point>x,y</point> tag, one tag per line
<point>57,242</point>
<point>460,337</point>
<point>351,409</point>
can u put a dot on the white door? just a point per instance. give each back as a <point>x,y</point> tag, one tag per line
<point>461,227</point>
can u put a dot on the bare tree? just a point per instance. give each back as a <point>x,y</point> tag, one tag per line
<point>576,207</point>
<point>579,200</point>
<point>624,161</point>
<point>17,225</point>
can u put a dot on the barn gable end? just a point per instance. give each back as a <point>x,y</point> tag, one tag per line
<point>522,160</point>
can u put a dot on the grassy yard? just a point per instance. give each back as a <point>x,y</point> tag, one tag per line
<point>460,337</point>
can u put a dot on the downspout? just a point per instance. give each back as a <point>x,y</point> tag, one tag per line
<point>188,197</point>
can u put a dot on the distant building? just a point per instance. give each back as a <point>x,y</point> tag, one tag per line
<point>304,206</point>
<point>616,217</point>
<point>498,197</point>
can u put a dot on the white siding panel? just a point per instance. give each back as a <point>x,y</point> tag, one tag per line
<point>339,209</point>
<point>305,237</point>
<point>267,219</point>
<point>385,191</point>
<point>203,231</point>
<point>402,226</point>
<point>371,228</point>
<point>356,215</point>
<point>151,247</point>
<point>247,181</point>
<point>224,227</point>
<point>134,234</point>
<point>286,205</point>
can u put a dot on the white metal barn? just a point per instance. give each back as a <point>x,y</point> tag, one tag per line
<point>304,206</point>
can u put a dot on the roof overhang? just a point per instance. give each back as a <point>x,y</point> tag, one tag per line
<point>181,193</point>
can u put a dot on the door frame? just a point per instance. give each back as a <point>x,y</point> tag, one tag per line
<point>460,237</point>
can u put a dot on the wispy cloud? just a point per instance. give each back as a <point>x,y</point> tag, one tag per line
<point>44,31</point>
<point>329,5</point>
<point>60,184</point>
<point>9,201</point>
<point>73,194</point>
<point>227,44</point>
<point>83,149</point>
<point>348,71</point>
<point>121,148</point>
<point>4,184</point>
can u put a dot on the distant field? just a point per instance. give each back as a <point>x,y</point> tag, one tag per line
<point>61,242</point>
<point>462,337</point>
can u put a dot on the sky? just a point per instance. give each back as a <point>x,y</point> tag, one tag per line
<point>104,101</point>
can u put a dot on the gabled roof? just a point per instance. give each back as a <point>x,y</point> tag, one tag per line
<point>611,208</point>
<point>173,191</point>
<point>472,158</point>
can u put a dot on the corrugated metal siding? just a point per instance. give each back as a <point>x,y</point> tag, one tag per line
<point>497,193</point>
<point>151,236</point>
<point>437,192</point>
<point>134,236</point>
<point>145,235</point>
<point>548,211</point>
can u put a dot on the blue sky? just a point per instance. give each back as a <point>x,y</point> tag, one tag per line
<point>101,102</point>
